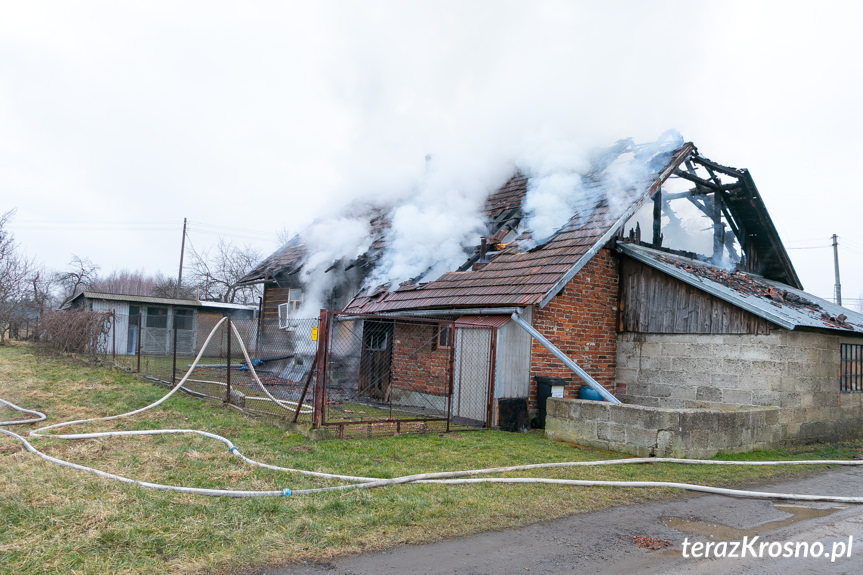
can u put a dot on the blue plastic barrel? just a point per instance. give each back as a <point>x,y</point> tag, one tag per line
<point>587,392</point>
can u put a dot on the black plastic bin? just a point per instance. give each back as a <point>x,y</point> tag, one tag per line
<point>543,392</point>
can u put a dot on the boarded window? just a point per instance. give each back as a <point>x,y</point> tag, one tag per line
<point>850,367</point>
<point>157,317</point>
<point>183,319</point>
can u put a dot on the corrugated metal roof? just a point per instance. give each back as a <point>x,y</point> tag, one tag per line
<point>481,321</point>
<point>158,301</point>
<point>774,301</point>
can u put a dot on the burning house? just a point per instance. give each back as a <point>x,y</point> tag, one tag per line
<point>662,282</point>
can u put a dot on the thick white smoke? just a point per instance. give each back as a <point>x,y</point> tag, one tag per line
<point>432,228</point>
<point>329,241</point>
<point>556,188</point>
<point>435,227</point>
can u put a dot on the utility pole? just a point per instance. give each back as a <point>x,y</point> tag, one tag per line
<point>838,289</point>
<point>182,249</point>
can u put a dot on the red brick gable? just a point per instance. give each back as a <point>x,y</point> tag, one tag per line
<point>582,322</point>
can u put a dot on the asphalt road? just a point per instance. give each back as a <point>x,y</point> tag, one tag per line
<point>617,540</point>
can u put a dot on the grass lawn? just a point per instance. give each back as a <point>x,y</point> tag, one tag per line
<point>59,520</point>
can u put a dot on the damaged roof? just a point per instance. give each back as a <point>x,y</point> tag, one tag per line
<point>518,277</point>
<point>290,258</point>
<point>513,269</point>
<point>512,275</point>
<point>777,302</point>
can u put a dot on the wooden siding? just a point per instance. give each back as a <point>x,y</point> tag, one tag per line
<point>653,302</point>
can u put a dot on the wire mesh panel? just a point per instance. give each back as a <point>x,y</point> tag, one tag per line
<point>352,376</point>
<point>283,361</point>
<point>387,375</point>
<point>473,377</point>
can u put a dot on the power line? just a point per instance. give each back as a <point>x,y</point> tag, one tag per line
<point>803,241</point>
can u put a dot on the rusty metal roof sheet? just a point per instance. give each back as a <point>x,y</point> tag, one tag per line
<point>780,303</point>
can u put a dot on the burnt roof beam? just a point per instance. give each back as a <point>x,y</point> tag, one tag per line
<point>695,179</point>
<point>711,165</point>
<point>710,185</point>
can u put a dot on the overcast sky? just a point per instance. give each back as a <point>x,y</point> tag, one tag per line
<point>119,119</point>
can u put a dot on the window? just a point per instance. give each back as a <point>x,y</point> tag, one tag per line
<point>183,319</point>
<point>288,311</point>
<point>134,315</point>
<point>157,317</point>
<point>443,339</point>
<point>850,367</point>
<point>378,341</point>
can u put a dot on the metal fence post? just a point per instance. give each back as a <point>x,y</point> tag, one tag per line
<point>174,365</point>
<point>452,352</point>
<point>113,336</point>
<point>228,372</point>
<point>140,321</point>
<point>321,360</point>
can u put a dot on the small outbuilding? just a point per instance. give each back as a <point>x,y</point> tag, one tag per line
<point>150,322</point>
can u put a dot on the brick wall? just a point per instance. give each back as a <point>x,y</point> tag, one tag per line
<point>418,364</point>
<point>582,322</point>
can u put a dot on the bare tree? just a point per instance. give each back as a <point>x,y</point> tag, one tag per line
<point>16,273</point>
<point>126,282</point>
<point>166,287</point>
<point>43,291</point>
<point>284,236</point>
<point>80,276</point>
<point>218,272</point>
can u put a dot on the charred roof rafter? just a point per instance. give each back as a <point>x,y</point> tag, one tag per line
<point>743,208</point>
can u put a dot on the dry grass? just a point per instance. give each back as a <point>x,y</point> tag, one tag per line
<point>60,520</point>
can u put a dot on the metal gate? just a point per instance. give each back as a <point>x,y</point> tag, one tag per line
<point>472,377</point>
<point>383,375</point>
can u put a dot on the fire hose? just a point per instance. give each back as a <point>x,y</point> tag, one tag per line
<point>359,482</point>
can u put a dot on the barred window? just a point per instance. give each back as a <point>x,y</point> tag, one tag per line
<point>850,367</point>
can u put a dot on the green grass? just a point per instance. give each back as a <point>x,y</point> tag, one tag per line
<point>58,520</point>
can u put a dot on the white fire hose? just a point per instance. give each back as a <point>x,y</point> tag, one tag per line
<point>355,482</point>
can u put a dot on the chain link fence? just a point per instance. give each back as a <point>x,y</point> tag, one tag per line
<point>348,376</point>
<point>387,376</point>
<point>165,350</point>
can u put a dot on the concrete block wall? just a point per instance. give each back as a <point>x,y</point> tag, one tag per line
<point>794,371</point>
<point>662,432</point>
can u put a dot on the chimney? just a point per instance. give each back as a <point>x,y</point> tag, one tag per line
<point>483,259</point>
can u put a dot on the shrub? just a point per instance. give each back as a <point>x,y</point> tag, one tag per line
<point>77,331</point>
